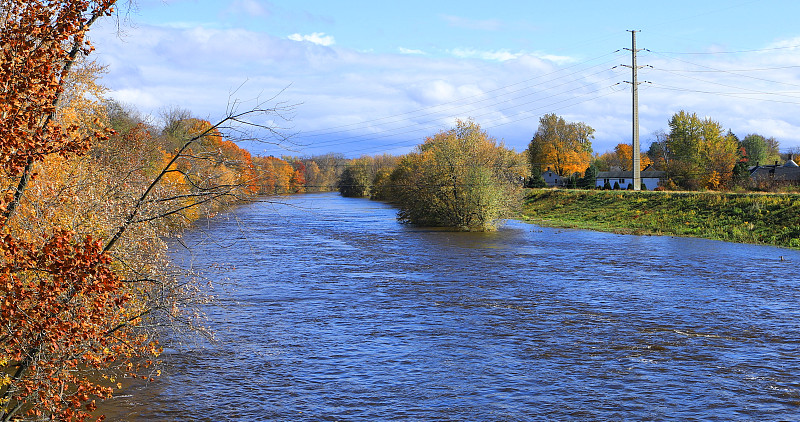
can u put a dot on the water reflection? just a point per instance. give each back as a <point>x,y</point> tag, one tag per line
<point>337,312</point>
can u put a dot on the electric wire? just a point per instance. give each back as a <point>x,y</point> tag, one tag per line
<point>734,73</point>
<point>412,143</point>
<point>430,109</point>
<point>706,53</point>
<point>479,106</point>
<point>723,94</point>
<point>438,118</point>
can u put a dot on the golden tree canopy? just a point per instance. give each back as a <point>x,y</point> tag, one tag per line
<point>565,147</point>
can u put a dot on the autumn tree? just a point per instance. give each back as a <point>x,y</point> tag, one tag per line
<point>367,176</point>
<point>275,176</point>
<point>622,158</point>
<point>562,145</point>
<point>701,153</point>
<point>83,271</point>
<point>460,178</point>
<point>298,181</point>
<point>313,176</point>
<point>59,289</point>
<point>760,150</point>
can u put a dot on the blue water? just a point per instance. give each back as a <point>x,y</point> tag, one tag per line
<point>330,310</point>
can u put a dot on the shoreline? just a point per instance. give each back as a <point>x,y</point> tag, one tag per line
<point>754,218</point>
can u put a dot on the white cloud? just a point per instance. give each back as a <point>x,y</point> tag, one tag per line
<point>505,55</point>
<point>394,100</point>
<point>137,97</point>
<point>556,59</point>
<point>500,55</point>
<point>788,44</point>
<point>780,129</point>
<point>434,92</point>
<point>410,51</point>
<point>318,38</point>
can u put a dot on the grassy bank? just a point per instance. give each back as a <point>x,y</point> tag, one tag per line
<point>771,219</point>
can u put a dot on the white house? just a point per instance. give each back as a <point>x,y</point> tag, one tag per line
<point>650,178</point>
<point>552,179</point>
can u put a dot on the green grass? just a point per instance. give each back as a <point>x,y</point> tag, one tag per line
<point>770,219</point>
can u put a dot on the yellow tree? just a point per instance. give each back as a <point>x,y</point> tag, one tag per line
<point>313,177</point>
<point>275,176</point>
<point>82,104</point>
<point>565,147</point>
<point>459,178</point>
<point>701,153</point>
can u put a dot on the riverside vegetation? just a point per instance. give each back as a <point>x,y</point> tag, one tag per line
<point>770,219</point>
<point>454,187</point>
<point>90,189</point>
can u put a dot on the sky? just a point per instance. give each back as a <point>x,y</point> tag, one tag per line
<point>367,77</point>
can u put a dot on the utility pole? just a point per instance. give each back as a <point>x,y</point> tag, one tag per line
<point>637,174</point>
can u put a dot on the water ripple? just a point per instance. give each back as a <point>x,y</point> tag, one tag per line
<point>337,312</point>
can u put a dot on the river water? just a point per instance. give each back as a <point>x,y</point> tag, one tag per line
<point>333,311</point>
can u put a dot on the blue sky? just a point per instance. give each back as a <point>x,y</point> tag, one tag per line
<point>378,77</point>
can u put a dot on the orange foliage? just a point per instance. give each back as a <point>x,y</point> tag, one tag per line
<point>564,146</point>
<point>59,296</point>
<point>64,313</point>
<point>622,158</point>
<point>35,46</point>
<point>70,313</point>
<point>298,180</point>
<point>276,176</point>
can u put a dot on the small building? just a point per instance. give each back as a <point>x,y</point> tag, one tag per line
<point>650,178</point>
<point>787,173</point>
<point>552,179</point>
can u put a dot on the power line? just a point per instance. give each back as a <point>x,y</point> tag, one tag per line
<point>711,53</point>
<point>725,94</point>
<point>561,82</point>
<point>734,73</point>
<point>747,90</point>
<point>427,124</point>
<point>432,109</point>
<point>549,107</point>
<point>436,117</point>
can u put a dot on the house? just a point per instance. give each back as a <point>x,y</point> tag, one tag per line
<point>788,173</point>
<point>552,179</point>
<point>650,178</point>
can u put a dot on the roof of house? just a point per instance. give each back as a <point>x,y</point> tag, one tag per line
<point>777,173</point>
<point>789,171</point>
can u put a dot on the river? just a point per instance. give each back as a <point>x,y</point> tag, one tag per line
<point>330,310</point>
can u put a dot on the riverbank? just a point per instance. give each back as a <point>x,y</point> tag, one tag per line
<point>769,219</point>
